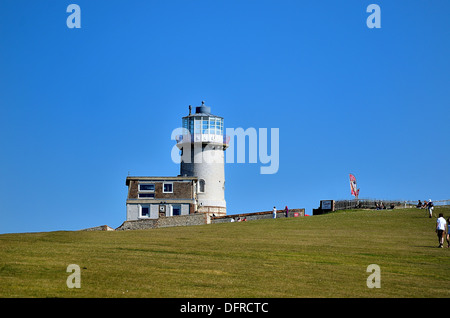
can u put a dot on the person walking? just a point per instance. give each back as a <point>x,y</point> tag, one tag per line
<point>430,207</point>
<point>274,211</point>
<point>448,232</point>
<point>441,226</point>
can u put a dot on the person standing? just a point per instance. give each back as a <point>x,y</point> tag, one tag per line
<point>286,210</point>
<point>419,205</point>
<point>430,208</point>
<point>274,211</point>
<point>441,225</point>
<point>448,232</point>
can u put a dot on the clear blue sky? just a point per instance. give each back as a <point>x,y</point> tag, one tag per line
<point>82,108</point>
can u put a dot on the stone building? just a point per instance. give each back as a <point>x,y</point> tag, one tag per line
<point>154,197</point>
<point>200,187</point>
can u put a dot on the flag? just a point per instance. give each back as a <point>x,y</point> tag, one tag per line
<point>354,190</point>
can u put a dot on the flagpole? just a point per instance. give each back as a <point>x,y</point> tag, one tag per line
<point>353,188</point>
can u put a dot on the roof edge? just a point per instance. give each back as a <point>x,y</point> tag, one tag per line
<point>147,178</point>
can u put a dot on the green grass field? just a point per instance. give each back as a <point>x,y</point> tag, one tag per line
<point>318,256</point>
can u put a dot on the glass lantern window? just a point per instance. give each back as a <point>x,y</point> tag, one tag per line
<point>204,125</point>
<point>212,125</point>
<point>186,124</point>
<point>205,129</point>
<point>217,126</point>
<point>197,126</point>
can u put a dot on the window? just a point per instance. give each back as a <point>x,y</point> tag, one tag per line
<point>167,187</point>
<point>216,125</point>
<point>145,211</point>
<point>188,123</point>
<point>176,209</point>
<point>213,125</point>
<point>197,125</point>
<point>146,195</point>
<point>146,191</point>
<point>148,187</point>
<point>205,125</point>
<point>201,186</point>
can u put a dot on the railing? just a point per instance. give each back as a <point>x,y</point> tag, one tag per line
<point>367,204</point>
<point>435,203</point>
<point>372,204</point>
<point>383,204</point>
<point>202,137</point>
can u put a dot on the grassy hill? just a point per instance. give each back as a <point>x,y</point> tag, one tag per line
<point>319,256</point>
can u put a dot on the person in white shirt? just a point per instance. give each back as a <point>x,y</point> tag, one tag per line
<point>274,211</point>
<point>430,207</point>
<point>441,225</point>
<point>448,232</point>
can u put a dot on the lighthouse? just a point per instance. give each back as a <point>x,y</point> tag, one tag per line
<point>202,156</point>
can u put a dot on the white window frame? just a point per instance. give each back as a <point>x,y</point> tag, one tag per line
<point>164,183</point>
<point>146,192</point>
<point>140,211</point>
<point>146,183</point>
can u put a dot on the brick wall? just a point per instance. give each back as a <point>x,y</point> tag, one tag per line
<point>201,218</point>
<point>133,190</point>
<point>178,220</point>
<point>181,190</point>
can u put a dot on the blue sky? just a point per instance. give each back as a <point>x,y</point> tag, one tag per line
<point>82,108</point>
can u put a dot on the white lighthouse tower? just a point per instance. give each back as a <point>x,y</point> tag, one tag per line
<point>203,147</point>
